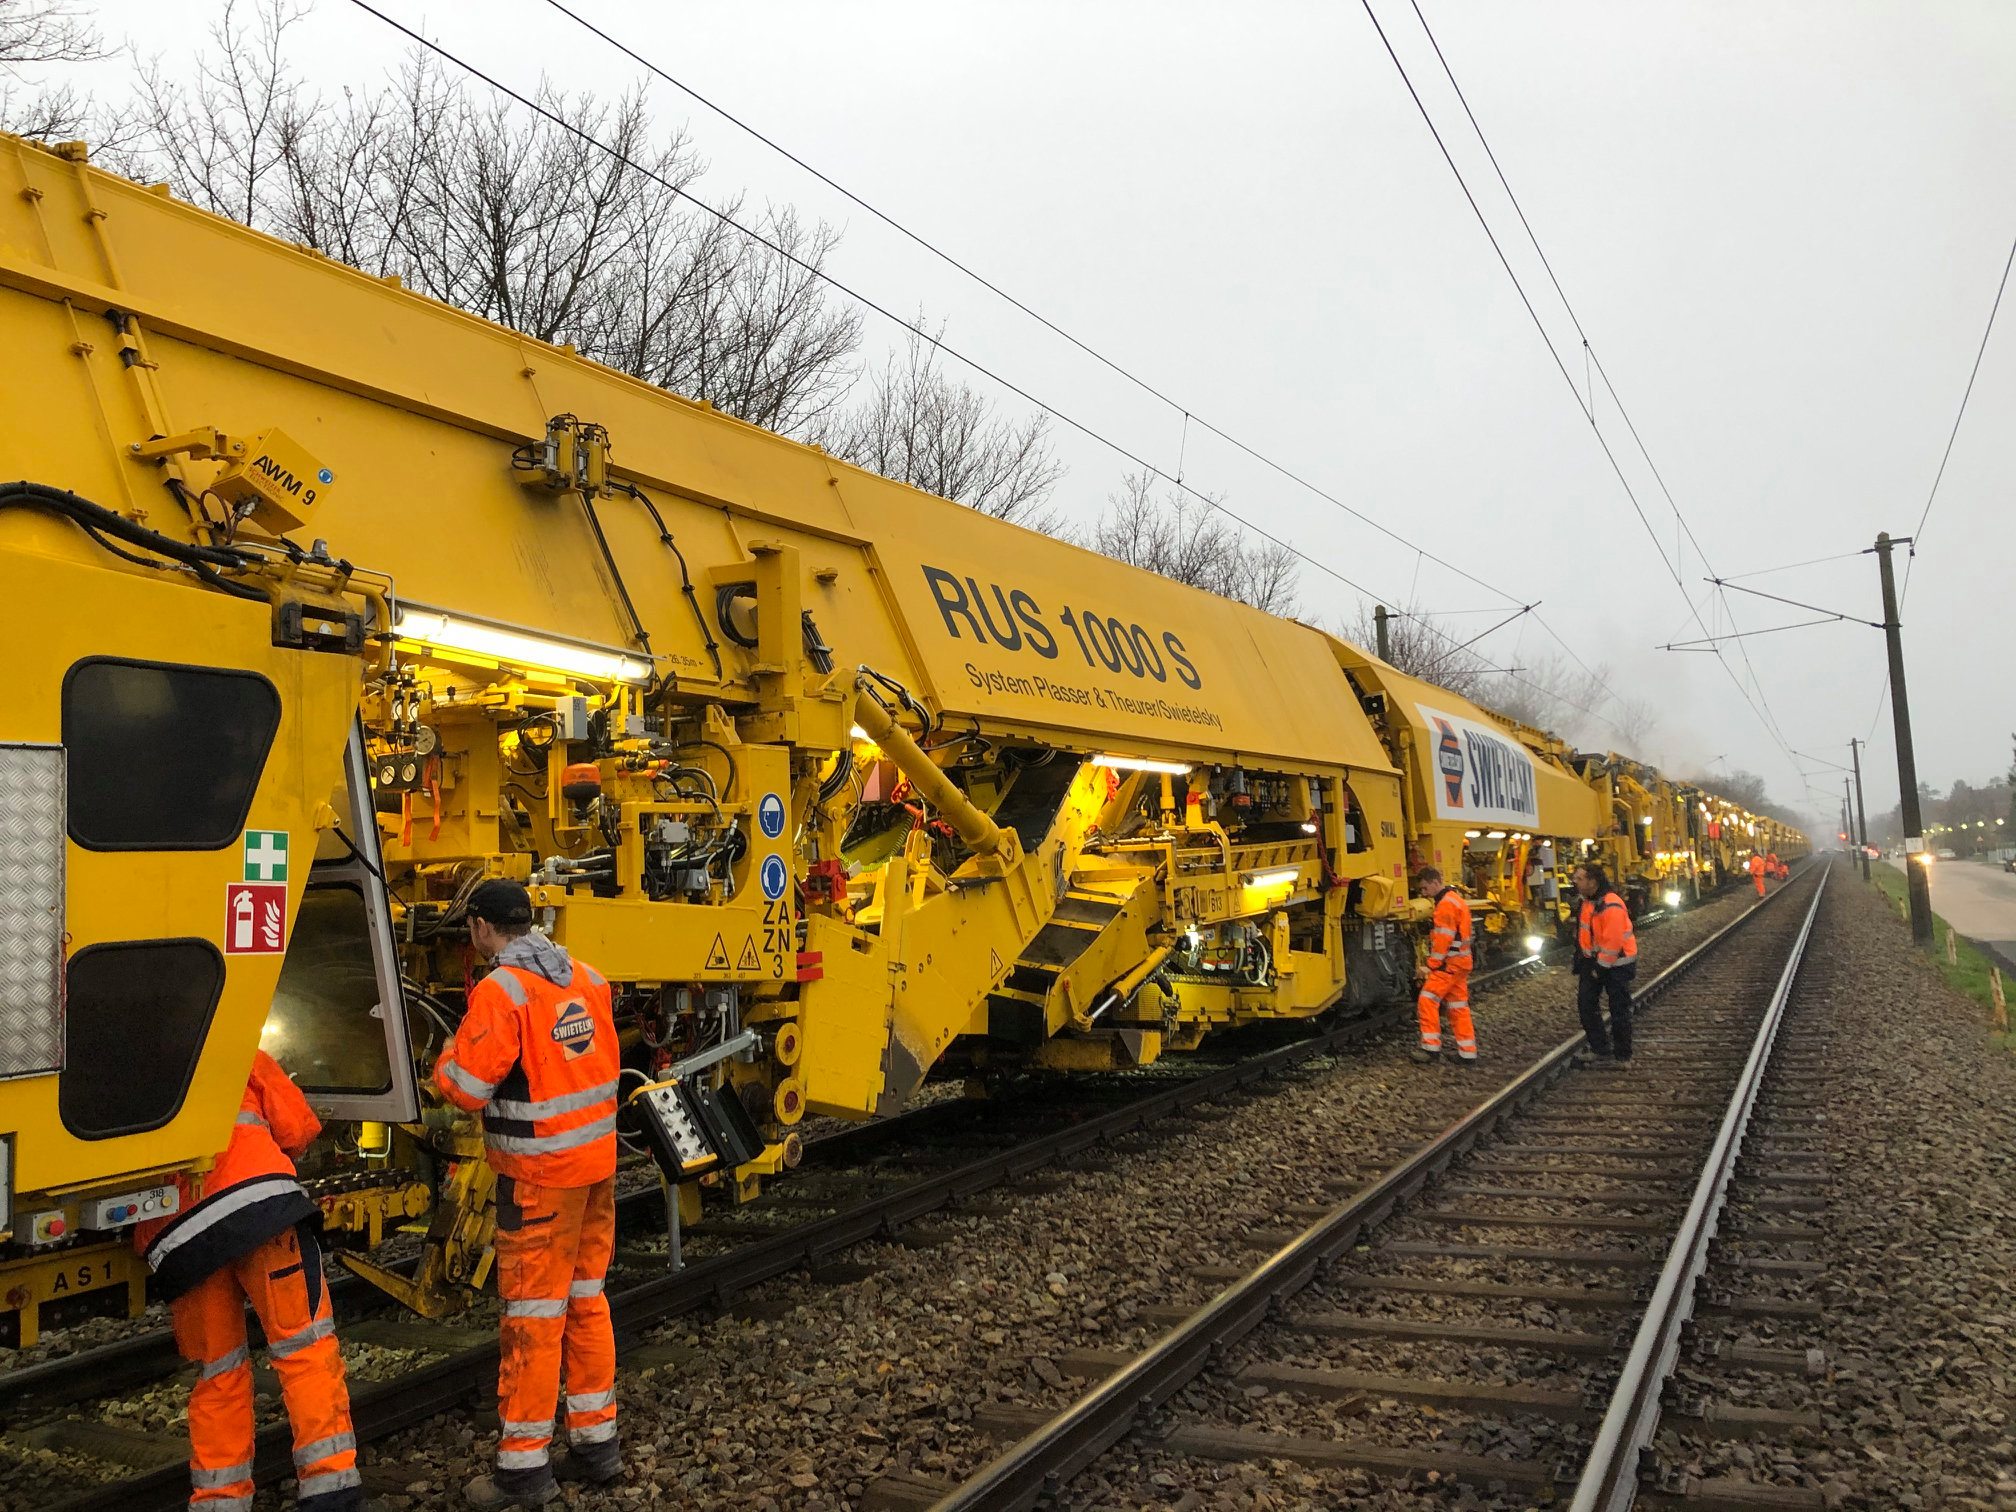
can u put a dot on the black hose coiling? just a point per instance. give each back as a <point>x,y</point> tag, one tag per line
<point>99,523</point>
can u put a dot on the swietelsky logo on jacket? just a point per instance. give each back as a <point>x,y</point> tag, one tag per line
<point>574,1030</point>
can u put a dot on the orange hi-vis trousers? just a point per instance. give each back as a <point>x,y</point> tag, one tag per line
<point>283,1281</point>
<point>1450,990</point>
<point>1759,880</point>
<point>553,1249</point>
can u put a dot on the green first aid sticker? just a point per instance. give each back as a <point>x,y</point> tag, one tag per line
<point>265,855</point>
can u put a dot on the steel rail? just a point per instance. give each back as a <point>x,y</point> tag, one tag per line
<point>1609,1480</point>
<point>383,1408</point>
<point>1041,1463</point>
<point>144,1357</point>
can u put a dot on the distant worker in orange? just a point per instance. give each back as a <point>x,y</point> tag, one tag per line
<point>1606,963</point>
<point>242,1241</point>
<point>1447,985</point>
<point>1779,870</point>
<point>537,1053</point>
<point>1757,866</point>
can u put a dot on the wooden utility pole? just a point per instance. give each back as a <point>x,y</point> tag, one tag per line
<point>1861,809</point>
<point>1916,883</point>
<point>1385,646</point>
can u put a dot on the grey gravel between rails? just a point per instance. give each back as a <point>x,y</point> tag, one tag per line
<point>1920,1327</point>
<point>808,1396</point>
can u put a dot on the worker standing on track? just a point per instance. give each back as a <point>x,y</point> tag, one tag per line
<point>244,1240</point>
<point>537,1053</point>
<point>1757,870</point>
<point>1606,963</point>
<point>1447,985</point>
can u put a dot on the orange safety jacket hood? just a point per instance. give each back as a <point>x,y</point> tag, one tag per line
<point>250,1194</point>
<point>1450,938</point>
<point>539,1059</point>
<point>1604,933</point>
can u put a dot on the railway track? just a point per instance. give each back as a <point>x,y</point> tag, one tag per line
<point>1555,1299</point>
<point>861,1184</point>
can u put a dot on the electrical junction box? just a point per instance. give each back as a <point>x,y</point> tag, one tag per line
<point>275,482</point>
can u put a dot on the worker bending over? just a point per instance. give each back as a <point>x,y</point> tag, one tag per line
<point>1606,963</point>
<point>243,1241</point>
<point>1447,985</point>
<point>1757,869</point>
<point>1779,871</point>
<point>537,1053</point>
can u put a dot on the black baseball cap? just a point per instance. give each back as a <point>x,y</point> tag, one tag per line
<point>500,902</point>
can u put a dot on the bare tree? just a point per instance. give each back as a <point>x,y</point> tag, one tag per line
<point>919,426</point>
<point>576,223</point>
<point>1185,538</point>
<point>33,35</point>
<point>1553,693</point>
<point>1421,645</point>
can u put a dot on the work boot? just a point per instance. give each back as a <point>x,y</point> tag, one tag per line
<point>501,1489</point>
<point>1427,1057</point>
<point>591,1464</point>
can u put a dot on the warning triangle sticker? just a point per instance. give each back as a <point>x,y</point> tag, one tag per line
<point>717,958</point>
<point>994,966</point>
<point>749,960</point>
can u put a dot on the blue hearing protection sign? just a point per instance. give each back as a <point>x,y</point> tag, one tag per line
<point>770,814</point>
<point>774,877</point>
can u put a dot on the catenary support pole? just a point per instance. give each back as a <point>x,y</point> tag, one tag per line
<point>1385,646</point>
<point>1916,883</point>
<point>1861,811</point>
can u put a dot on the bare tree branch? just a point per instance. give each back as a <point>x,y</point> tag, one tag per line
<point>521,219</point>
<point>34,34</point>
<point>1193,543</point>
<point>920,427</point>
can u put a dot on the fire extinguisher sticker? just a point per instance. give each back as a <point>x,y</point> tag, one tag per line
<point>255,918</point>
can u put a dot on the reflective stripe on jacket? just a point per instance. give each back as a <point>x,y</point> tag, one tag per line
<point>540,1061</point>
<point>1605,935</point>
<point>251,1193</point>
<point>1449,940</point>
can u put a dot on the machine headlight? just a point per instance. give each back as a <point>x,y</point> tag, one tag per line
<point>1672,897</point>
<point>1535,944</point>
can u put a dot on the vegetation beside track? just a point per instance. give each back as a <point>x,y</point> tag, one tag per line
<point>1970,971</point>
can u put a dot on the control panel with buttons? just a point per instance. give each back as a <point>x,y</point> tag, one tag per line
<point>132,1207</point>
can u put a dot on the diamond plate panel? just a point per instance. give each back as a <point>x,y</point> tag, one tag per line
<point>32,821</point>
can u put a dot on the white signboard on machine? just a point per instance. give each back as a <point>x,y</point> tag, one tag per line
<point>1479,775</point>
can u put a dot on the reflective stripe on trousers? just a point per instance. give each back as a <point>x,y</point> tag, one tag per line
<point>1446,991</point>
<point>284,1282</point>
<point>551,1263</point>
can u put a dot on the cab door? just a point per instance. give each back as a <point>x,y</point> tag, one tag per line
<point>338,1022</point>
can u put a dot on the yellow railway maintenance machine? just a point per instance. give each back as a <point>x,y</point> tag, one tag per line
<point>1482,801</point>
<point>327,602</point>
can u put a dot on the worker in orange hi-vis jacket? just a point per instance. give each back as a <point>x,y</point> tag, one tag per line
<point>243,1240</point>
<point>1758,868</point>
<point>1606,963</point>
<point>1447,986</point>
<point>536,1052</point>
<point>1775,868</point>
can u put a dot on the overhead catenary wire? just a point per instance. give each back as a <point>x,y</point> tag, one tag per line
<point>935,342</point>
<point>1113,365</point>
<point>1760,705</point>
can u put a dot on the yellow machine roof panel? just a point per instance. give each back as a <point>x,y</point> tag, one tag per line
<point>1015,626</point>
<point>1476,770</point>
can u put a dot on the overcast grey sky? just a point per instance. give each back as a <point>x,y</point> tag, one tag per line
<point>1782,226</point>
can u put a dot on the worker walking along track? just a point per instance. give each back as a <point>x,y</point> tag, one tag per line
<point>1600,1194</point>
